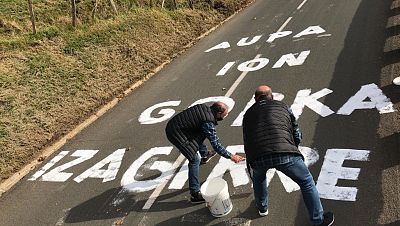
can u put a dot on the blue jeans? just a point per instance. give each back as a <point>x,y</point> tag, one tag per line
<point>194,165</point>
<point>292,165</point>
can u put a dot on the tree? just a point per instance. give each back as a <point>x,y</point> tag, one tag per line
<point>211,3</point>
<point>94,10</point>
<point>32,15</point>
<point>114,6</point>
<point>191,4</point>
<point>73,12</point>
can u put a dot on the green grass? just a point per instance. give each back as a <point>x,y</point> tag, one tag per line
<point>52,80</point>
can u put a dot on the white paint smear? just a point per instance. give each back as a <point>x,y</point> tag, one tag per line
<point>113,161</point>
<point>48,165</point>
<point>378,100</point>
<point>305,98</point>
<point>57,174</point>
<point>146,118</point>
<point>239,120</point>
<point>128,181</point>
<point>332,170</point>
<point>291,60</point>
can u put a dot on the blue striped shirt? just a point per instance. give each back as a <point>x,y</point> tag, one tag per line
<point>211,134</point>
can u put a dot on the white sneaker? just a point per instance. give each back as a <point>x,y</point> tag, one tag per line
<point>263,214</point>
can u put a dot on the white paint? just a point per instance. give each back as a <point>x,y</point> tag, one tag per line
<point>225,68</point>
<point>324,35</point>
<point>61,220</point>
<point>284,24</point>
<point>303,98</point>
<point>310,158</point>
<point>310,31</point>
<point>332,170</point>
<point>48,165</point>
<point>128,181</point>
<point>239,120</point>
<point>276,35</point>
<point>243,41</point>
<point>291,60</point>
<point>181,177</point>
<point>237,170</point>
<point>160,187</point>
<point>301,5</point>
<point>57,174</point>
<point>272,37</point>
<point>226,100</point>
<point>248,65</point>
<point>145,117</point>
<point>113,161</point>
<point>119,198</point>
<point>238,80</point>
<point>375,94</point>
<point>222,45</point>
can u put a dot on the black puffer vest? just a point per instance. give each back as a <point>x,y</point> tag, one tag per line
<point>184,129</point>
<point>267,129</point>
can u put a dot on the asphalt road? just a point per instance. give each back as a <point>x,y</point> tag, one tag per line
<point>326,62</point>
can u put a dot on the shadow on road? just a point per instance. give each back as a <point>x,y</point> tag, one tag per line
<point>357,65</point>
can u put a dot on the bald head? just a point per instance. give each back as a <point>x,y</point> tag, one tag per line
<point>220,110</point>
<point>263,91</point>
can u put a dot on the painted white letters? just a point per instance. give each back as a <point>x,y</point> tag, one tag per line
<point>332,170</point>
<point>239,119</point>
<point>145,117</point>
<point>303,98</point>
<point>310,31</point>
<point>276,35</point>
<point>291,60</point>
<point>113,161</point>
<point>222,45</point>
<point>128,180</point>
<point>57,174</point>
<point>246,66</point>
<point>226,100</point>
<point>378,100</point>
<point>243,41</point>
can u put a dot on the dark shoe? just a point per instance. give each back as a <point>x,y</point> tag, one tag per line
<point>210,154</point>
<point>263,213</point>
<point>196,198</point>
<point>329,218</point>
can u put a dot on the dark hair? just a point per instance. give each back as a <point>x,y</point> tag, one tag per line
<point>266,94</point>
<point>217,108</point>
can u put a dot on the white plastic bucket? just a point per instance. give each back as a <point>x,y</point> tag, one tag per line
<point>396,81</point>
<point>216,194</point>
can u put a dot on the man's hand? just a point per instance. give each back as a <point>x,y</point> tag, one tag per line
<point>237,158</point>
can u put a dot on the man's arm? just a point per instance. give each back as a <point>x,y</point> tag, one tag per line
<point>296,130</point>
<point>211,134</point>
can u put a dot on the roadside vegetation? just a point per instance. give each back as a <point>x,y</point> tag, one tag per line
<point>56,75</point>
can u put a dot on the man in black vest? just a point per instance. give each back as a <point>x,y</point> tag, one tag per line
<point>271,139</point>
<point>188,130</point>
